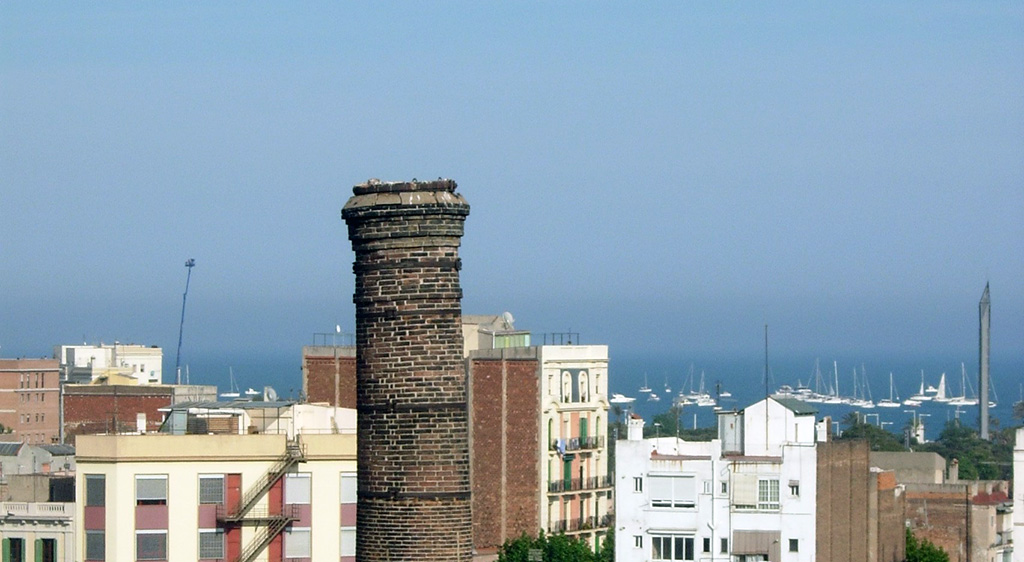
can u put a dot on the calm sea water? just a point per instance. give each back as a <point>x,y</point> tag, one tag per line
<point>743,377</point>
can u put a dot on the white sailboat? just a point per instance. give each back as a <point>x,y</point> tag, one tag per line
<point>940,392</point>
<point>232,392</point>
<point>963,400</point>
<point>645,389</point>
<point>921,396</point>
<point>890,402</point>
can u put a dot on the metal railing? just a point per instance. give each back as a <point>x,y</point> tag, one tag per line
<point>294,452</point>
<point>577,484</point>
<point>275,524</point>
<point>578,443</point>
<point>581,524</point>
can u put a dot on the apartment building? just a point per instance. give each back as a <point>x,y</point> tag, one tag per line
<point>236,481</point>
<point>115,363</point>
<point>748,495</point>
<point>538,417</point>
<point>30,400</point>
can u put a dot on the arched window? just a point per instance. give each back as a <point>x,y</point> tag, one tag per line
<point>566,386</point>
<point>584,387</point>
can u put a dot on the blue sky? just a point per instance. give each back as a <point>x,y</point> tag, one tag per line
<point>661,177</point>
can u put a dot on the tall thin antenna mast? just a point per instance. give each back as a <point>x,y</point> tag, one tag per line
<point>766,393</point>
<point>189,263</point>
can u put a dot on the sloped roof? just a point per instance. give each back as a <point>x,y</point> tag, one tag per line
<point>798,407</point>
<point>10,449</point>
<point>58,450</point>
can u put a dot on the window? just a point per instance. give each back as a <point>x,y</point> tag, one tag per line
<point>296,488</point>
<point>638,541</point>
<point>151,489</point>
<point>707,545</point>
<point>211,543</point>
<point>211,490</point>
<point>794,545</point>
<point>638,484</point>
<point>348,542</point>
<point>794,488</point>
<point>672,548</point>
<point>724,547</point>
<point>673,491</point>
<point>349,491</point>
<point>725,487</point>
<point>151,545</point>
<point>767,495</point>
<point>95,491</point>
<point>296,543</point>
<point>14,550</point>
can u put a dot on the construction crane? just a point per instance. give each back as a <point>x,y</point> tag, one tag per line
<point>189,263</point>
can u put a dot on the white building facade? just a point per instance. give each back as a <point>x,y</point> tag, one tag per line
<point>117,362</point>
<point>285,494</point>
<point>1018,497</point>
<point>747,496</point>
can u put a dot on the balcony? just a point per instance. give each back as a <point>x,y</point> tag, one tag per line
<point>38,511</point>
<point>579,484</point>
<point>581,524</point>
<point>578,444</point>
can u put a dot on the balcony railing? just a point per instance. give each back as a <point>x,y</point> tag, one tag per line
<point>37,510</point>
<point>577,444</point>
<point>577,484</point>
<point>581,524</point>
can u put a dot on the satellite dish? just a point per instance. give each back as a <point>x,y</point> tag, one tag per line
<point>509,320</point>
<point>270,394</point>
<point>337,328</point>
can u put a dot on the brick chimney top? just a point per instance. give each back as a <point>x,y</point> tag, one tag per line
<point>374,185</point>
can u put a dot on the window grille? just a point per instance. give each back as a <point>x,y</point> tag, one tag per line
<point>211,490</point>
<point>151,546</point>
<point>211,544</point>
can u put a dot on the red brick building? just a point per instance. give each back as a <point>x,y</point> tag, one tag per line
<point>329,375</point>
<point>30,400</point>
<point>100,409</point>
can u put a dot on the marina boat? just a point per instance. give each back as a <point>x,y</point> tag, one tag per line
<point>232,392</point>
<point>890,402</point>
<point>621,399</point>
<point>645,389</point>
<point>940,391</point>
<point>921,396</point>
<point>963,400</point>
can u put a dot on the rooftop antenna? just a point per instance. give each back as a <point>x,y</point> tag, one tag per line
<point>189,263</point>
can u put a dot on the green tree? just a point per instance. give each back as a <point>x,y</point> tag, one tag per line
<point>878,439</point>
<point>1018,410</point>
<point>552,548</point>
<point>923,550</point>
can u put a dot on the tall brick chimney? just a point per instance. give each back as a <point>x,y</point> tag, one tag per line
<point>411,396</point>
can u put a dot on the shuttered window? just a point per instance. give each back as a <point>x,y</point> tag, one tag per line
<point>296,543</point>
<point>151,489</point>
<point>296,489</point>
<point>672,491</point>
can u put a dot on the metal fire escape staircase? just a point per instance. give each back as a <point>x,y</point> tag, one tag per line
<point>272,524</point>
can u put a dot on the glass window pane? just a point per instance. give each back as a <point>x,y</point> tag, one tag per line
<point>678,553</point>
<point>95,545</point>
<point>689,548</point>
<point>211,489</point>
<point>151,546</point>
<point>95,490</point>
<point>211,544</point>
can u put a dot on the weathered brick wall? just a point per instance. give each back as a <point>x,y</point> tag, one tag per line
<point>93,410</point>
<point>411,395</point>
<point>320,379</point>
<point>891,520</point>
<point>939,513</point>
<point>504,407</point>
<point>843,500</point>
